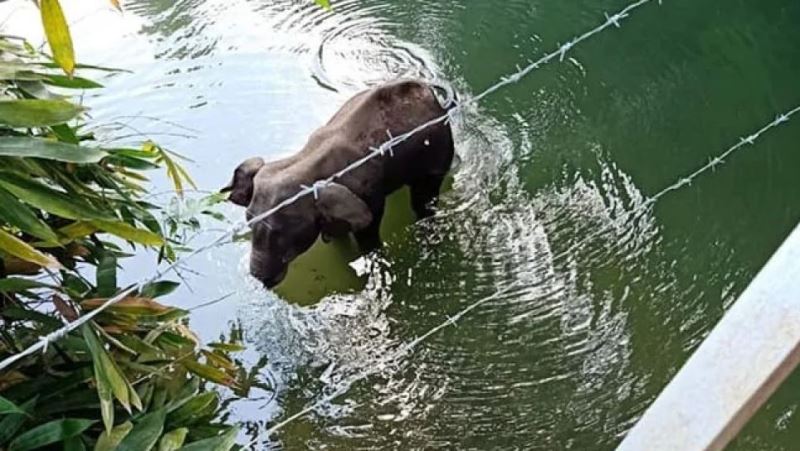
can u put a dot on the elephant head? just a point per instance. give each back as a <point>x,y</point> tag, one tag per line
<point>292,229</point>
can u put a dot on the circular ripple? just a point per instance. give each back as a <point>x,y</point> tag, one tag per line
<point>355,52</point>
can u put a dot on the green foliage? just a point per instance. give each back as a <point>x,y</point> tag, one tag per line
<point>51,432</point>
<point>37,112</point>
<point>7,407</point>
<point>134,378</point>
<point>323,3</point>
<point>58,36</point>
<point>19,146</point>
<point>145,433</point>
<point>108,441</point>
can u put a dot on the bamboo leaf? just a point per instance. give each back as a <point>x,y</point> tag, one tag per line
<point>79,400</point>
<point>35,89</point>
<point>104,391</point>
<point>20,146</point>
<point>109,441</point>
<point>227,347</point>
<point>18,72</point>
<point>185,175</point>
<point>20,249</point>
<point>145,391</point>
<point>51,432</point>
<point>70,82</point>
<point>74,444</point>
<point>129,232</point>
<point>106,373</point>
<point>19,215</point>
<point>107,275</point>
<point>46,198</point>
<point>170,341</point>
<point>136,402</point>
<point>119,384</point>
<point>10,47</point>
<point>174,175</point>
<point>106,406</point>
<point>159,289</point>
<point>194,409</point>
<point>18,313</point>
<point>26,113</point>
<point>65,133</point>
<point>7,407</point>
<point>58,36</point>
<point>223,442</point>
<point>173,440</point>
<point>145,434</point>
<point>139,345</point>
<point>85,66</point>
<point>76,230</point>
<point>126,161</point>
<point>132,153</point>
<point>209,373</point>
<point>219,361</point>
<point>136,306</point>
<point>11,423</point>
<point>17,284</point>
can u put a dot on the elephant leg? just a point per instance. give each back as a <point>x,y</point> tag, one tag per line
<point>369,238</point>
<point>424,192</point>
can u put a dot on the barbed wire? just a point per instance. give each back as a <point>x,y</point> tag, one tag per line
<point>452,320</point>
<point>387,148</point>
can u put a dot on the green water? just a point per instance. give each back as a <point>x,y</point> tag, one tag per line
<point>610,304</point>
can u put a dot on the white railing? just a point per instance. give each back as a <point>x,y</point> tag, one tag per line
<point>738,366</point>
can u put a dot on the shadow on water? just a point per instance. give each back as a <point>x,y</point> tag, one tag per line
<point>336,268</point>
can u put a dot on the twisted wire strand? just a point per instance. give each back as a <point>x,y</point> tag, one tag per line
<point>386,148</point>
<point>452,320</point>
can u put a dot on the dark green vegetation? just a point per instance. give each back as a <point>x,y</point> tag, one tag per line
<point>136,377</point>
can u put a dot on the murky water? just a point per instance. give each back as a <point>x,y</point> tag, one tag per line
<point>597,308</point>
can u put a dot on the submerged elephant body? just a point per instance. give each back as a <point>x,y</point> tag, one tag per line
<point>355,201</point>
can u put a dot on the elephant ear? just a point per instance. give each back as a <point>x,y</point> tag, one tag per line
<point>241,186</point>
<point>337,204</point>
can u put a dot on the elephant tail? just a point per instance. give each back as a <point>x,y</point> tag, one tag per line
<point>445,94</point>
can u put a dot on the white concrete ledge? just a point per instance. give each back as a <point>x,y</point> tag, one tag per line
<point>739,365</point>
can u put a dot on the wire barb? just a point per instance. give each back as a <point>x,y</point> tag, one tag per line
<point>316,187</point>
<point>713,162</point>
<point>451,115</point>
<point>45,339</point>
<point>56,335</point>
<point>564,49</point>
<point>388,144</point>
<point>749,139</point>
<point>615,19</point>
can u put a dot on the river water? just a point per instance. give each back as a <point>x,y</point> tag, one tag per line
<point>586,309</point>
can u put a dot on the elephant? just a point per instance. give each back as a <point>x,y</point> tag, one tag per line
<point>353,202</point>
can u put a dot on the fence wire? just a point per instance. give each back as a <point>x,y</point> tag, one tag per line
<point>452,320</point>
<point>387,148</point>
